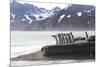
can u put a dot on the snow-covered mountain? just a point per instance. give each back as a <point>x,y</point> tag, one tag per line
<point>29,12</point>
<point>72,17</point>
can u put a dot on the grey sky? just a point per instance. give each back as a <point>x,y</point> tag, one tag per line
<point>52,5</point>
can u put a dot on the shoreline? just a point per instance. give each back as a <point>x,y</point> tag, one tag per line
<point>38,56</point>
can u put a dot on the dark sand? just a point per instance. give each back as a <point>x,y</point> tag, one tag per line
<point>39,56</point>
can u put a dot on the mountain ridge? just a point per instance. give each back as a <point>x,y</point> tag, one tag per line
<point>72,17</point>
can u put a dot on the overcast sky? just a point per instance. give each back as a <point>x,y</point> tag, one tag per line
<point>52,5</point>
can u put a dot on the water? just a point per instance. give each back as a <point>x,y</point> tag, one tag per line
<point>25,42</point>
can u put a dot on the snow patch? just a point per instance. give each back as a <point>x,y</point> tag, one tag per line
<point>37,17</point>
<point>61,17</point>
<point>41,15</point>
<point>23,19</point>
<point>79,14</point>
<point>68,16</point>
<point>88,11</point>
<point>67,6</point>
<point>27,17</point>
<point>13,15</point>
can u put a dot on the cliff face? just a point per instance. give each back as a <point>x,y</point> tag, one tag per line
<point>73,17</point>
